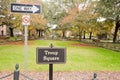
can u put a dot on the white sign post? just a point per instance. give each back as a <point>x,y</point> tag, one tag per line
<point>26,23</point>
<point>26,48</point>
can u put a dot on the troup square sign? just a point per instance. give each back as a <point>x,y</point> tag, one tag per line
<point>51,55</point>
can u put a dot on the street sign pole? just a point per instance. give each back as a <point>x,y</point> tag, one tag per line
<point>50,71</point>
<point>26,48</point>
<point>26,22</point>
<point>51,67</point>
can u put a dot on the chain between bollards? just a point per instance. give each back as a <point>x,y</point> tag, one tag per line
<point>95,77</point>
<point>1,78</point>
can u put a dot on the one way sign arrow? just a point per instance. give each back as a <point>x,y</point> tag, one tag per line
<point>25,8</point>
<point>35,9</point>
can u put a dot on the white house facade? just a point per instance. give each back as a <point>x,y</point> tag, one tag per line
<point>3,31</point>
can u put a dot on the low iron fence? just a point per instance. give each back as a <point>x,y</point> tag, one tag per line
<point>5,76</point>
<point>16,74</point>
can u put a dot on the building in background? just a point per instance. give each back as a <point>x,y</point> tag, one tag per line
<point>3,30</point>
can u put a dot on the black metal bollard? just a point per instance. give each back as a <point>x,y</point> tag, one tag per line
<point>95,77</point>
<point>16,72</point>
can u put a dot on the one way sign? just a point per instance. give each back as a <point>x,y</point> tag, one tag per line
<point>25,8</point>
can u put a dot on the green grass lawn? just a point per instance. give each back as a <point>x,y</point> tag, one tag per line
<point>79,58</point>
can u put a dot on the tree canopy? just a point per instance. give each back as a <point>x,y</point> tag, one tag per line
<point>78,15</point>
<point>110,9</point>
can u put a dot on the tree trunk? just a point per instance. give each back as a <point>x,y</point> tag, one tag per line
<point>116,31</point>
<point>11,32</point>
<point>39,32</point>
<point>29,34</point>
<point>79,34</point>
<point>84,35</point>
<point>90,37</point>
<point>63,32</point>
<point>2,33</point>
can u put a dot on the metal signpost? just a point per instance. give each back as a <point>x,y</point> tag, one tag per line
<point>26,23</point>
<point>50,56</point>
<point>25,8</point>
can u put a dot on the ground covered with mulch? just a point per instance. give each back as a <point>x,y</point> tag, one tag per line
<point>84,45</point>
<point>16,43</point>
<point>78,75</point>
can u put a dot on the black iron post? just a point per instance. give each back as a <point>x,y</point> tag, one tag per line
<point>50,71</point>
<point>95,77</point>
<point>16,72</point>
<point>51,67</point>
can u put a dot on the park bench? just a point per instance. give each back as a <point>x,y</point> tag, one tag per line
<point>95,40</point>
